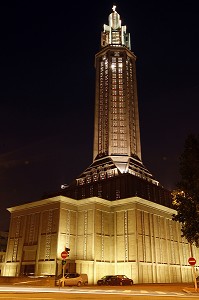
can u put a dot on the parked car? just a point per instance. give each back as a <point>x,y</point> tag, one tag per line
<point>115,280</point>
<point>122,280</point>
<point>70,279</point>
<point>105,280</point>
<point>84,278</point>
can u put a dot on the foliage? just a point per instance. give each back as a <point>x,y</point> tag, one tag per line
<point>186,198</point>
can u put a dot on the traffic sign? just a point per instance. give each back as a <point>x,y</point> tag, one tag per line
<point>192,261</point>
<point>64,254</point>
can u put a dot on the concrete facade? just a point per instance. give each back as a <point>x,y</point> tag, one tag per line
<point>131,236</point>
<point>3,245</point>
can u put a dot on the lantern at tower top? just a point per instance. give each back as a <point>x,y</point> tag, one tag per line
<point>114,33</point>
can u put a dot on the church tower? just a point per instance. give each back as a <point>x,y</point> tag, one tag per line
<point>115,217</point>
<point>117,132</point>
<point>117,170</point>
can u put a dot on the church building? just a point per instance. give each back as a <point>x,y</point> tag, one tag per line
<point>115,217</point>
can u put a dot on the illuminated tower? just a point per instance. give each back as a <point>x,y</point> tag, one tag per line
<point>117,133</point>
<point>124,221</point>
<point>117,170</point>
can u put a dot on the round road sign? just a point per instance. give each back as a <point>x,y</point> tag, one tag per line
<point>64,254</point>
<point>192,261</point>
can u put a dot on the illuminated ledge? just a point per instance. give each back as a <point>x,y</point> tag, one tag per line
<point>133,202</point>
<point>107,167</point>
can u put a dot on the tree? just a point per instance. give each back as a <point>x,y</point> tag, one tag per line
<point>186,197</point>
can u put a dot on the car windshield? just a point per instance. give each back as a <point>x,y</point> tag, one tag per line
<point>72,275</point>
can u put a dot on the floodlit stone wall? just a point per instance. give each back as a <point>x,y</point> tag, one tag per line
<point>131,236</point>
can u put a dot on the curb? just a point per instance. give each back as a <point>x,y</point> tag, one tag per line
<point>190,291</point>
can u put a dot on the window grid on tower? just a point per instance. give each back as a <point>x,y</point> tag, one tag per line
<point>116,37</point>
<point>106,106</point>
<point>132,70</point>
<point>130,99</point>
<point>103,107</point>
<point>119,144</point>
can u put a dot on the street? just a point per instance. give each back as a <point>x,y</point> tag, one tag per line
<point>135,292</point>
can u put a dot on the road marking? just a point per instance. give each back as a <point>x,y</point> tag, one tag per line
<point>17,297</point>
<point>179,294</point>
<point>4,297</point>
<point>22,282</point>
<point>143,292</point>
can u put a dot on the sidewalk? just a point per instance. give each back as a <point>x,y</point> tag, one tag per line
<point>188,288</point>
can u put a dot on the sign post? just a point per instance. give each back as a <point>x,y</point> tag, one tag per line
<point>64,255</point>
<point>192,262</point>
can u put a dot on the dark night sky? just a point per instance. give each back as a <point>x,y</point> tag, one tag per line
<point>47,78</point>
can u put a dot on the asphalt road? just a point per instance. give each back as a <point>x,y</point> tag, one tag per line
<point>135,292</point>
<point>90,297</point>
